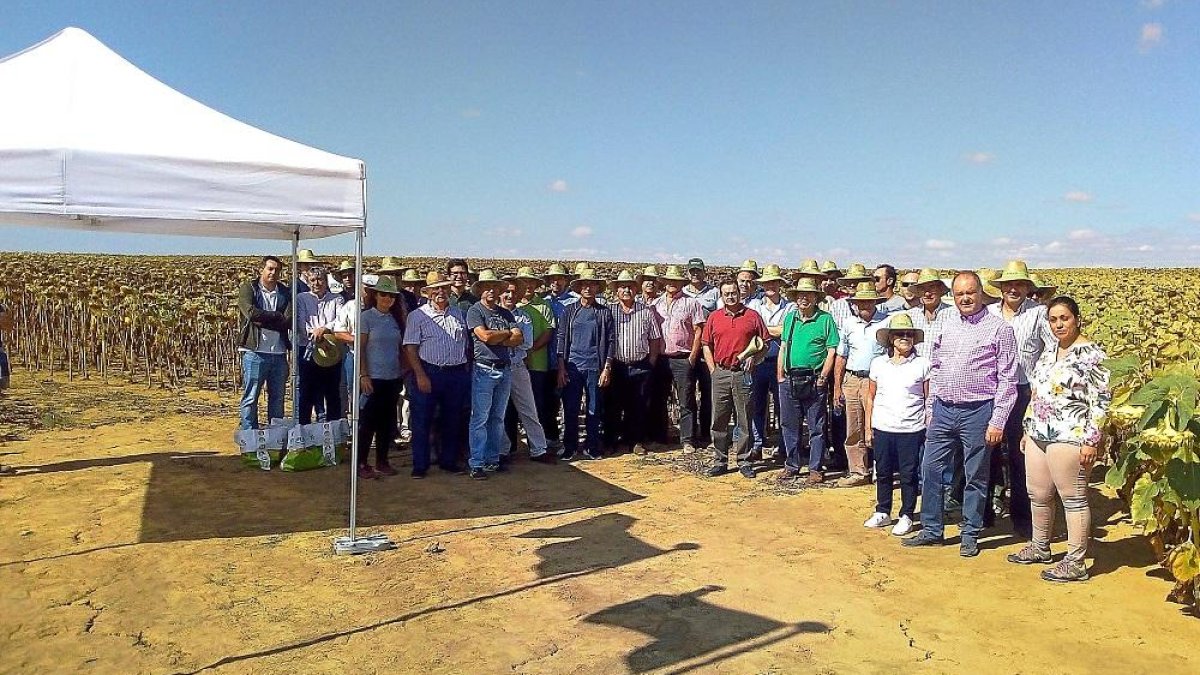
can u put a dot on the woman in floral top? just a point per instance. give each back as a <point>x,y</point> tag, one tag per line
<point>1062,437</point>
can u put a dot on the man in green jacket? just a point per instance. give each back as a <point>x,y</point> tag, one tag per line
<point>265,309</point>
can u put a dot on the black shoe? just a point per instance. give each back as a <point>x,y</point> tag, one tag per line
<point>545,458</point>
<point>478,474</point>
<point>969,548</point>
<point>924,539</point>
<point>747,471</point>
<point>718,470</point>
<point>568,456</point>
<point>588,454</point>
<point>418,474</point>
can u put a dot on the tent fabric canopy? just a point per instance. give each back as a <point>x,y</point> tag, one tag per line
<point>89,141</point>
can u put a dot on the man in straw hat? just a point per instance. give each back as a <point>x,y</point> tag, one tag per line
<point>345,275</point>
<point>1032,331</point>
<point>772,307</point>
<point>972,391</point>
<point>831,284</point>
<point>542,359</point>
<point>991,293</point>
<point>494,332</point>
<point>1043,289</point>
<point>932,311</point>
<point>320,366</point>
<point>304,260</point>
<point>683,318</point>
<point>747,280</point>
<point>726,335</point>
<point>522,406</point>
<point>265,309</point>
<point>657,420</point>
<point>857,348</point>
<point>459,273</point>
<point>437,345</point>
<point>648,287</point>
<point>839,308</point>
<point>808,340</point>
<point>586,351</point>
<point>638,343</point>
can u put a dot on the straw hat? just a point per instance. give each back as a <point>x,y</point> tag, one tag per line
<point>648,274</point>
<point>988,275</point>
<point>929,276</point>
<point>804,285</point>
<point>830,268</point>
<point>755,351</point>
<point>625,278</point>
<point>581,266</point>
<point>346,266</point>
<point>386,284</point>
<point>1015,270</point>
<point>326,352</point>
<point>305,257</point>
<point>898,322</point>
<point>391,265</point>
<point>810,268</point>
<point>1041,285</point>
<point>525,273</point>
<point>750,266</point>
<point>672,274</point>
<point>557,270</point>
<point>434,280</point>
<point>771,273</point>
<point>487,277</point>
<point>410,277</point>
<point>866,291</point>
<point>588,275</point>
<point>856,273</point>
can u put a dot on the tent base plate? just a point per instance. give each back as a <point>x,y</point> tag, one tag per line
<point>359,545</point>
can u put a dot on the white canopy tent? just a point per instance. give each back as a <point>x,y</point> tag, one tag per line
<point>88,141</point>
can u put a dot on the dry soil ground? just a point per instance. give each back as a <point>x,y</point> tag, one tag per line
<point>143,545</point>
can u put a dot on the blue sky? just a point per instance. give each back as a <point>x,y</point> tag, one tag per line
<point>922,133</point>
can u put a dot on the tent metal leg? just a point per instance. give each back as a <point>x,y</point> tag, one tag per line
<point>295,360</point>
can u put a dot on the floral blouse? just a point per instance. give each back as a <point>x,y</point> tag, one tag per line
<point>1070,396</point>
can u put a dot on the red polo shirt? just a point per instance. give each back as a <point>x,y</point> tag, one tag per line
<point>727,333</point>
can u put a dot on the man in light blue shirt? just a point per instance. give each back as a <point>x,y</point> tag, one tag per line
<point>857,347</point>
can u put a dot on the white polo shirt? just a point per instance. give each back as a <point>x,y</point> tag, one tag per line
<point>899,393</point>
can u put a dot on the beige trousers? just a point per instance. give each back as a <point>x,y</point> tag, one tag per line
<point>855,390</point>
<point>1050,468</point>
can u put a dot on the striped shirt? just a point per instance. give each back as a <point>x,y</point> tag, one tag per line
<point>772,315</point>
<point>1033,334</point>
<point>932,329</point>
<point>635,330</point>
<point>709,296</point>
<point>313,312</point>
<point>975,359</point>
<point>680,316</point>
<point>441,337</point>
<point>840,310</point>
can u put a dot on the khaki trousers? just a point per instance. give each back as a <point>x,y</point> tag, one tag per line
<point>855,389</point>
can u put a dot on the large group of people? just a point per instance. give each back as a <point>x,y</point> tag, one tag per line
<point>959,389</point>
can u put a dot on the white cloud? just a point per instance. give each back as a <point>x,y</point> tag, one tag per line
<point>1151,36</point>
<point>1082,234</point>
<point>581,232</point>
<point>940,244</point>
<point>559,185</point>
<point>1078,196</point>
<point>1194,217</point>
<point>980,157</point>
<point>1144,247</point>
<point>1153,4</point>
<point>1053,246</point>
<point>507,232</point>
<point>1002,241</point>
<point>472,113</point>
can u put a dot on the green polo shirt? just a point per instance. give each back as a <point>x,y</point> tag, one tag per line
<point>806,342</point>
<point>542,316</point>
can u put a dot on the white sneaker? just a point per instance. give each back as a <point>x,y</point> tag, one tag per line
<point>878,520</point>
<point>903,526</point>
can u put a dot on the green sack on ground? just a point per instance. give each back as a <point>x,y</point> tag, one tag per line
<point>303,459</point>
<point>251,459</point>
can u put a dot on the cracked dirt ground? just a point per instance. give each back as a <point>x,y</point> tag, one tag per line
<point>144,546</point>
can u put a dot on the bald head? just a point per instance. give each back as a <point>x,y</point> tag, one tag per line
<point>967,290</point>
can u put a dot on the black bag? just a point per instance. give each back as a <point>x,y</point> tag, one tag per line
<point>803,386</point>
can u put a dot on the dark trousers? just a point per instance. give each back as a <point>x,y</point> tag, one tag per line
<point>657,422</point>
<point>958,427</point>
<point>320,389</point>
<point>441,411</point>
<point>546,398</point>
<point>795,410</point>
<point>764,388</point>
<point>835,432</point>
<point>626,403</point>
<point>897,453</point>
<point>704,423</point>
<point>683,380</point>
<point>379,420</point>
<point>731,400</point>
<point>579,383</point>
<point>1010,450</point>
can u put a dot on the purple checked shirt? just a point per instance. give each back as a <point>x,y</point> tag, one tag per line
<point>975,359</point>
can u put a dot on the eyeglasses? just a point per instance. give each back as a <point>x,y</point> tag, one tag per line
<point>906,284</point>
<point>880,278</point>
<point>899,335</point>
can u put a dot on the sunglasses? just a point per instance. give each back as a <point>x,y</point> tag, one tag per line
<point>903,335</point>
<point>906,284</point>
<point>880,278</point>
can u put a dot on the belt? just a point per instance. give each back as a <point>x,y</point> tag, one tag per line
<point>735,368</point>
<point>433,367</point>
<point>860,373</point>
<point>964,404</point>
<point>680,355</point>
<point>498,365</point>
<point>801,372</point>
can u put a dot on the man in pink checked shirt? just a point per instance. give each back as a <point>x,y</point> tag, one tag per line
<point>973,388</point>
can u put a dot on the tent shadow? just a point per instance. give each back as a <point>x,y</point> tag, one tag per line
<point>196,498</point>
<point>602,541</point>
<point>96,462</point>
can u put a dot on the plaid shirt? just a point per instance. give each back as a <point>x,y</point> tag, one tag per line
<point>1033,334</point>
<point>975,359</point>
<point>932,328</point>
<point>635,330</point>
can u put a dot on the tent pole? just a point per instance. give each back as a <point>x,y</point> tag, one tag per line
<point>352,544</point>
<point>295,364</point>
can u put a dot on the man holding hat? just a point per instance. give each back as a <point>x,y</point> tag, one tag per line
<point>304,260</point>
<point>586,349</point>
<point>808,342</point>
<point>494,332</point>
<point>772,307</point>
<point>726,337</point>
<point>638,345</point>
<point>682,320</point>
<point>437,346</point>
<point>321,356</point>
<point>857,348</point>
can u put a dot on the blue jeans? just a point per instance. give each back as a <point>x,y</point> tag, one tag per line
<point>449,393</point>
<point>897,453</point>
<point>764,384</point>
<point>812,411</point>
<point>490,388</point>
<point>954,427</point>
<point>257,370</point>
<point>578,382</point>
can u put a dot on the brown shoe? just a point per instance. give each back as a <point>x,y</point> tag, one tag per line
<point>787,476</point>
<point>853,480</point>
<point>639,449</point>
<point>814,477</point>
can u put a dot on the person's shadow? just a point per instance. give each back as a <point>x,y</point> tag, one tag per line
<point>594,543</point>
